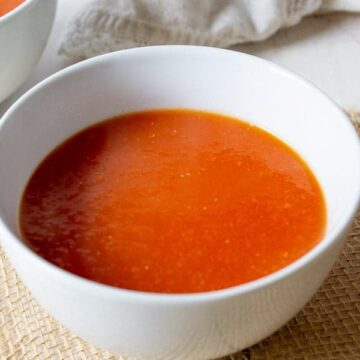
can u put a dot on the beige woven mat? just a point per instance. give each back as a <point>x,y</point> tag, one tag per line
<point>327,328</point>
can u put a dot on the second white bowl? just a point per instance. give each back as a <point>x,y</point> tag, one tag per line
<point>24,32</point>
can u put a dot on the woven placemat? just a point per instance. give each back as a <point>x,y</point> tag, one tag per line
<point>327,328</point>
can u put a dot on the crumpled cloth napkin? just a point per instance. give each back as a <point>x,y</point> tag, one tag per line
<point>107,25</point>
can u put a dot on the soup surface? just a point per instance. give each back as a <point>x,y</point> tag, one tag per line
<point>8,5</point>
<point>172,201</point>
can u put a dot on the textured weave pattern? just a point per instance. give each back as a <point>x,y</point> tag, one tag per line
<point>327,328</point>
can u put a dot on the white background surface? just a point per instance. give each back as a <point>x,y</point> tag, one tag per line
<point>323,49</point>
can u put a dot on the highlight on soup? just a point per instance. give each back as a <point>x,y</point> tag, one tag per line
<point>172,201</point>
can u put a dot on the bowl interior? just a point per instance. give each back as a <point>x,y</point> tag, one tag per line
<point>181,77</point>
<point>15,9</point>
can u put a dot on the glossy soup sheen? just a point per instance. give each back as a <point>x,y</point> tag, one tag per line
<point>8,5</point>
<point>172,201</point>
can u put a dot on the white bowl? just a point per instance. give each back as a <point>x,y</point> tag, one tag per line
<point>190,326</point>
<point>24,32</point>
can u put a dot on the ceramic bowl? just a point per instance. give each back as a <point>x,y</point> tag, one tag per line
<point>189,326</point>
<point>24,32</point>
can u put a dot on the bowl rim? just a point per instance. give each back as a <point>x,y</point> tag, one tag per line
<point>101,290</point>
<point>16,10</point>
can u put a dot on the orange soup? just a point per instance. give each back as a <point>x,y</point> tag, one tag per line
<point>8,5</point>
<point>172,201</point>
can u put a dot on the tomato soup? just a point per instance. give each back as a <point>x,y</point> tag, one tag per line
<point>8,5</point>
<point>172,201</point>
